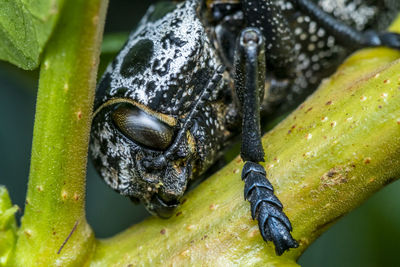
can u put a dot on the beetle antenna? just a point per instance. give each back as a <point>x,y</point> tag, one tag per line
<point>204,96</point>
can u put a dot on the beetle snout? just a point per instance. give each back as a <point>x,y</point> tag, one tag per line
<point>163,209</point>
<point>167,189</point>
<point>157,163</point>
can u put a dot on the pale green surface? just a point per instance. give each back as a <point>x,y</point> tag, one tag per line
<point>56,190</point>
<point>25,27</point>
<point>345,145</point>
<point>333,152</point>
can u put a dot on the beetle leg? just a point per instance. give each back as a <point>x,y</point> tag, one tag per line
<point>267,16</point>
<point>249,82</point>
<point>346,35</point>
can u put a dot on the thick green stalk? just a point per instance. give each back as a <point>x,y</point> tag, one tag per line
<point>332,153</point>
<point>54,229</point>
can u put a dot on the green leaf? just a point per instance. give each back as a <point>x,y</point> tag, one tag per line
<point>113,42</point>
<point>8,226</point>
<point>25,27</point>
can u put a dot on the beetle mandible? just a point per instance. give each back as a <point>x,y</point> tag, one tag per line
<point>191,74</point>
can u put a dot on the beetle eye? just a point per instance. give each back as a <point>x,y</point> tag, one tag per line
<point>141,127</point>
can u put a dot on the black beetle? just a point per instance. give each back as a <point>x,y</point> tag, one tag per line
<point>191,74</point>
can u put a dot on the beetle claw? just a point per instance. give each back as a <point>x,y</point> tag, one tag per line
<point>265,206</point>
<point>280,236</point>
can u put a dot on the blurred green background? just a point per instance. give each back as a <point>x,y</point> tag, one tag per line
<point>369,236</point>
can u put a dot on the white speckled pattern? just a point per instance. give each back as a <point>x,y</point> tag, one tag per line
<point>165,65</point>
<point>177,62</point>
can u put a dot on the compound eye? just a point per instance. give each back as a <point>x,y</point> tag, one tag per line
<point>141,127</point>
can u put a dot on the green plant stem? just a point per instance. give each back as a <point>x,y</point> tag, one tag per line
<point>328,156</point>
<point>55,203</point>
<point>332,153</point>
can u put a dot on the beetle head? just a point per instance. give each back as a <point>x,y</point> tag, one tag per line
<point>138,143</point>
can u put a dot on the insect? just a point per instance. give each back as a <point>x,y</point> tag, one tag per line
<point>193,73</point>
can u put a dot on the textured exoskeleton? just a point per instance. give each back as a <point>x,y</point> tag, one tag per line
<point>191,75</point>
